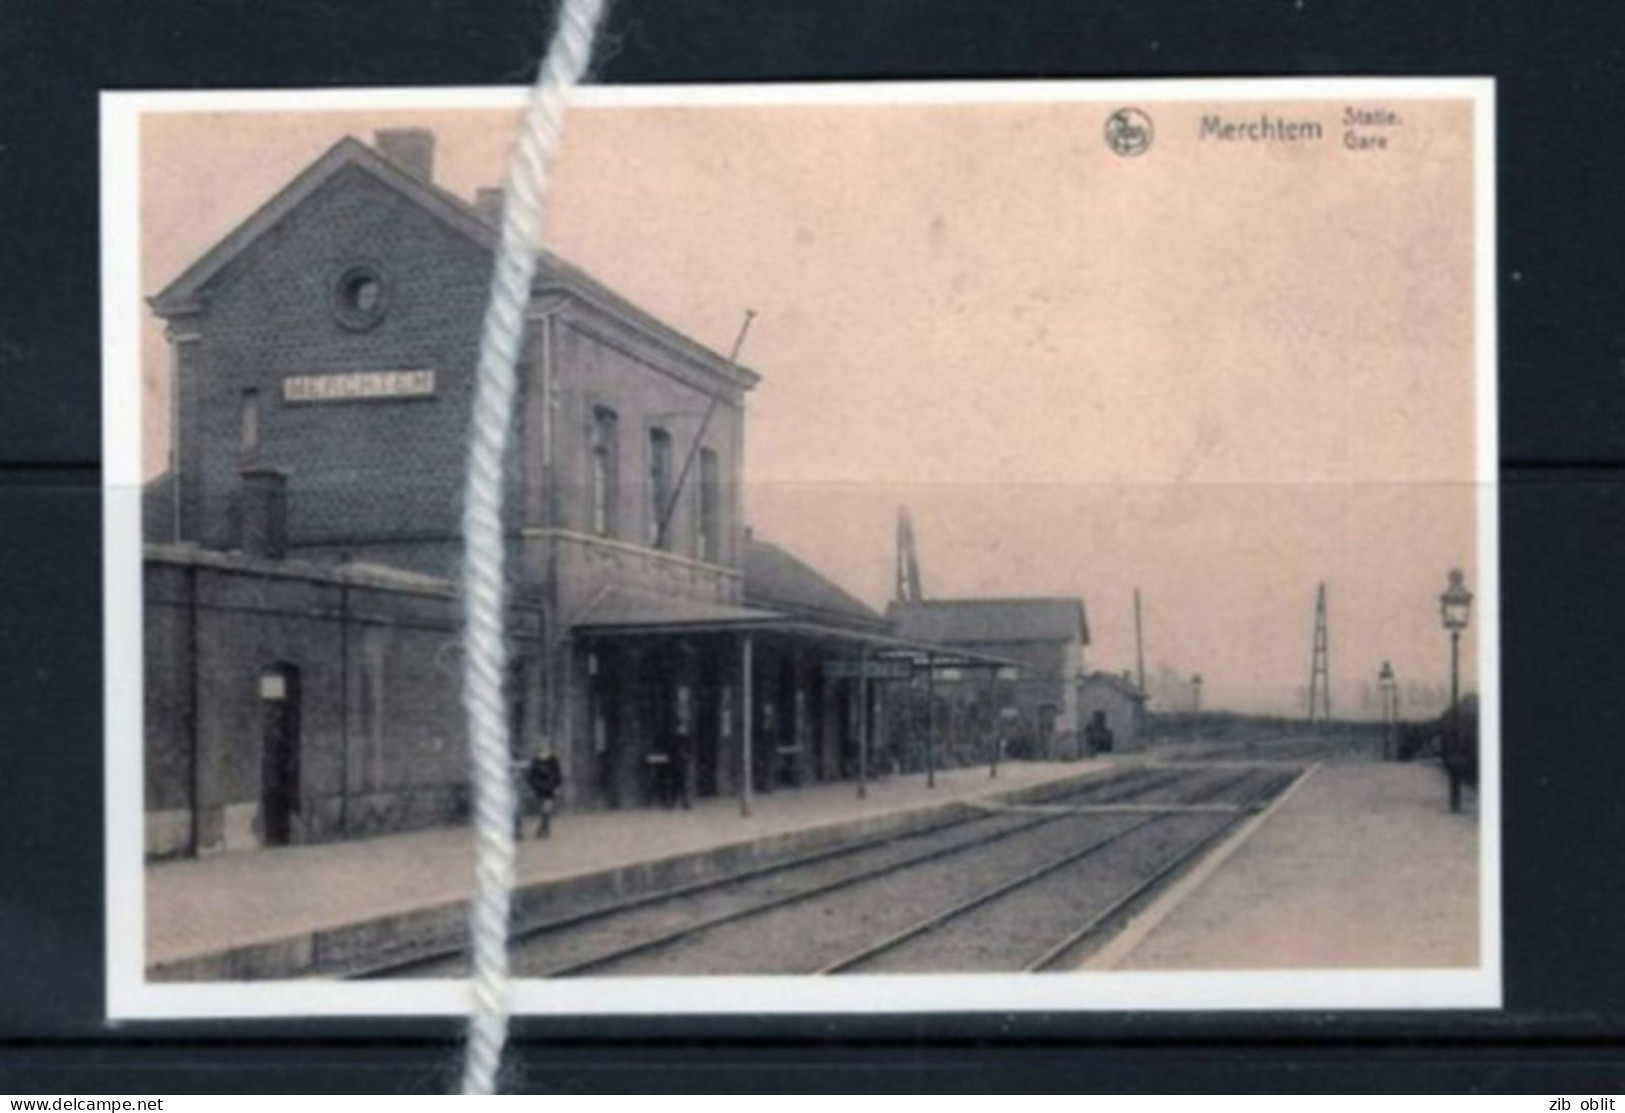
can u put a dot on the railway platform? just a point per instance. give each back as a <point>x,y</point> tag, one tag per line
<point>334,908</point>
<point>1362,866</point>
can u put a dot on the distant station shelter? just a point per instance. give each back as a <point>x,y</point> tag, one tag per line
<point>1118,700</point>
<point>302,644</point>
<point>1045,636</point>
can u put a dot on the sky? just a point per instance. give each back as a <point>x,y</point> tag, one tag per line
<point>1221,372</point>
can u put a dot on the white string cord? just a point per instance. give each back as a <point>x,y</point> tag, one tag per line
<point>485,658</point>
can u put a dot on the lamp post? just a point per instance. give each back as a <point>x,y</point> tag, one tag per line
<point>1004,716</point>
<point>1390,709</point>
<point>1455,607</point>
<point>930,722</point>
<point>1196,704</point>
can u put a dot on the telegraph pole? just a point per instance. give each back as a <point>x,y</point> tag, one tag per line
<point>1320,695</point>
<point>909,587</point>
<point>1139,645</point>
<point>663,520</point>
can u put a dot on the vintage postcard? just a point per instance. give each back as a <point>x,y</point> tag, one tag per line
<point>971,546</point>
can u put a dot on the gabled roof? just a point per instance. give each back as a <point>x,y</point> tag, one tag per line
<point>778,581</point>
<point>182,295</point>
<point>955,621</point>
<point>1119,684</point>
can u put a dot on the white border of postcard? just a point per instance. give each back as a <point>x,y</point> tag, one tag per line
<point>131,996</point>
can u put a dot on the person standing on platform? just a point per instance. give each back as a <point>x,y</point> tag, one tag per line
<point>543,778</point>
<point>668,769</point>
<point>678,747</point>
<point>1098,735</point>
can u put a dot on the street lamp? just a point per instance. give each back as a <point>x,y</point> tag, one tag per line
<point>1005,715</point>
<point>1196,704</point>
<point>1390,708</point>
<point>1455,607</point>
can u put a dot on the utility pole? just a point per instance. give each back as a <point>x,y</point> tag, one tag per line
<point>663,522</point>
<point>1139,645</point>
<point>1320,696</point>
<point>909,588</point>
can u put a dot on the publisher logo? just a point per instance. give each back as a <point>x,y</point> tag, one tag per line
<point>1129,132</point>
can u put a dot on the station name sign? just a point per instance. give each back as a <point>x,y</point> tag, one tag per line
<point>870,670</point>
<point>358,386</point>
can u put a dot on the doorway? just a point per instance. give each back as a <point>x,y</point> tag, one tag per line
<point>710,722</point>
<point>604,719</point>
<point>279,763</point>
<point>1048,715</point>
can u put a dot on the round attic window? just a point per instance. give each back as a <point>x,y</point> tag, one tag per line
<point>359,297</point>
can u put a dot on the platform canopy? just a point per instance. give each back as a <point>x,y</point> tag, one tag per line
<point>619,614</point>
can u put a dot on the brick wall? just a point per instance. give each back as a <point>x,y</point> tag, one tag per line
<point>382,745</point>
<point>383,477</point>
<point>601,363</point>
<point>378,477</point>
<point>381,480</point>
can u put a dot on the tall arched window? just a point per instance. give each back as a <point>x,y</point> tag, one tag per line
<point>518,679</point>
<point>660,481</point>
<point>248,442</point>
<point>710,515</point>
<point>601,464</point>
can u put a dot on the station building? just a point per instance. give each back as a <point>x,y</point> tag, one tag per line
<point>303,547</point>
<point>1045,637</point>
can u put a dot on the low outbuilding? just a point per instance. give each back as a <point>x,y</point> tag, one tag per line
<point>1118,701</point>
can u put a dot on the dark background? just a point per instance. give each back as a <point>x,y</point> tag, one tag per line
<point>1562,236</point>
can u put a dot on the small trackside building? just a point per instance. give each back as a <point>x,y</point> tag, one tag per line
<point>1044,636</point>
<point>1119,700</point>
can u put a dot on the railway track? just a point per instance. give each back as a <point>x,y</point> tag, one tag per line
<point>1049,916</point>
<point>1291,750</point>
<point>823,912</point>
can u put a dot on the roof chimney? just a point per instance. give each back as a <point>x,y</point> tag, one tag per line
<point>488,203</point>
<point>412,149</point>
<point>264,512</point>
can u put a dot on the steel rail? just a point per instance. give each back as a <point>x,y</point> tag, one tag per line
<point>1095,922</point>
<point>687,931</point>
<point>1110,809</point>
<point>1140,779</point>
<point>938,919</point>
